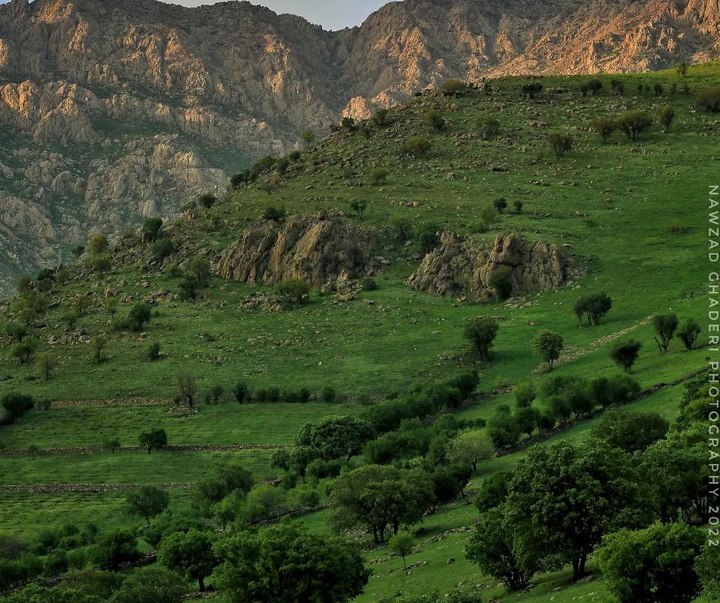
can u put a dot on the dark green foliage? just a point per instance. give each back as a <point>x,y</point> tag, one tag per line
<point>242,392</point>
<point>335,437</point>
<point>625,353</point>
<point>150,229</point>
<point>378,175</point>
<point>16,331</point>
<point>470,447</point>
<point>24,350</point>
<point>294,290</point>
<point>465,382</point>
<point>224,478</point>
<point>548,346</point>
<point>382,117</point>
<point>525,393</point>
<point>401,228</point>
<point>577,495</point>
<point>665,326</point>
<point>207,200</point>
<point>518,205</point>
<point>658,89</point>
<point>688,332</point>
<point>709,100</point>
<point>499,546</point>
<point>98,244</point>
<point>162,248</point>
<point>634,123</point>
<point>15,406</point>
<point>153,352</point>
<point>594,307</point>
<point>188,288</point>
<point>189,553</point>
<point>502,429</point>
<point>101,263</point>
<point>666,115</point>
<point>153,584</point>
<point>706,567</point>
<point>111,444</point>
<point>630,430</point>
<point>654,565</point>
<point>481,332</point>
<point>274,213</point>
<point>526,419</point>
<point>155,439</point>
<point>328,394</point>
<point>494,491</point>
<point>368,284</point>
<point>561,143</point>
<point>604,126</point>
<point>428,237</point>
<point>434,119</point>
<point>147,501</point>
<point>594,86</point>
<point>201,272</point>
<point>358,207</point>
<point>682,69</point>
<point>285,562</point>
<point>347,123</point>
<point>500,205</point>
<point>532,89</point>
<point>417,146</point>
<point>138,316</point>
<point>454,596</point>
<point>115,548</point>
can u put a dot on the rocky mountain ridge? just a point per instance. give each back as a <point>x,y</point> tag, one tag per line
<point>111,111</point>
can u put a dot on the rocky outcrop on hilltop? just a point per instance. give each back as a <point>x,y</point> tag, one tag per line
<point>458,267</point>
<point>319,249</point>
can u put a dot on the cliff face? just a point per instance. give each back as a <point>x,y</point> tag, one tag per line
<point>114,110</point>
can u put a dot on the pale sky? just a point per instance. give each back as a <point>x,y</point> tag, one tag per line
<point>331,14</point>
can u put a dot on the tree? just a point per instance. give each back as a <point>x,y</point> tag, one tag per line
<point>285,562</point>
<point>434,119</point>
<point>207,200</point>
<point>709,100</point>
<point>625,353</point>
<point>402,545</point>
<point>665,326</point>
<point>531,89</point>
<point>518,205</point>
<point>147,501</point>
<point>561,143</point>
<point>658,89</point>
<point>489,127</point>
<point>201,271</point>
<point>605,126</point>
<point>224,478</point>
<point>98,344</point>
<point>24,350</point>
<point>706,566</point>
<point>187,384</point>
<point>153,584</point>
<point>593,306</point>
<point>112,444</point>
<point>378,175</point>
<point>101,263</point>
<point>381,117</point>
<point>151,228</point>
<point>153,439</point>
<point>358,207</point>
<point>115,548</point>
<point>98,244</point>
<point>379,497</point>
<point>481,332</point>
<point>634,123</point>
<point>242,392</point>
<point>294,290</point>
<point>501,282</point>
<point>501,550</point>
<point>335,437</point>
<point>138,316</point>
<point>471,447</point>
<point>189,553</point>
<point>654,565</point>
<point>682,69</point>
<point>417,146</point>
<point>666,114</point>
<point>308,137</point>
<point>548,346</point>
<point>630,431</point>
<point>577,495</point>
<point>525,393</point>
<point>688,332</point>
<point>453,87</point>
<point>594,86</point>
<point>502,429</point>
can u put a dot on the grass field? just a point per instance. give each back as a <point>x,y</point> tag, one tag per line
<point>632,213</point>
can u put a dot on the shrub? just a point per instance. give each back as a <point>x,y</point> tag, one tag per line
<point>634,123</point>
<point>624,354</point>
<point>666,115</point>
<point>201,272</point>
<point>428,237</point>
<point>548,346</point>
<point>593,306</point>
<point>381,117</point>
<point>688,332</point>
<point>15,406</point>
<point>594,86</point>
<point>153,352</point>
<point>518,205</point>
<point>525,393</point>
<point>98,244</point>
<point>378,175</point>
<point>274,213</point>
<point>417,146</point>
<point>658,89</point>
<point>150,229</point>
<point>294,290</point>
<point>709,100</point>
<point>401,228</point>
<point>560,142</point>
<point>665,326</point>
<point>242,392</point>
<point>138,316</point>
<point>453,87</point>
<point>162,249</point>
<point>434,119</point>
<point>489,127</point>
<point>368,284</point>
<point>481,332</point>
<point>604,126</point>
<point>328,394</point>
<point>500,205</point>
<point>501,282</point>
<point>531,89</point>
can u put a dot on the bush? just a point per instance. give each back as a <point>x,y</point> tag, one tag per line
<point>153,352</point>
<point>151,228</point>
<point>518,205</point>
<point>709,100</point>
<point>688,332</point>
<point>428,237</point>
<point>500,205</point>
<point>501,282</point>
<point>453,87</point>
<point>368,284</point>
<point>15,405</point>
<point>594,307</point>
<point>294,290</point>
<point>481,333</point>
<point>162,248</point>
<point>560,142</point>
<point>489,127</point>
<point>604,126</point>
<point>242,392</point>
<point>378,175</point>
<point>634,123</point>
<point>114,549</point>
<point>666,115</point>
<point>274,213</point>
<point>401,228</point>
<point>381,117</point>
<point>525,393</point>
<point>531,89</point>
<point>98,244</point>
<point>138,316</point>
<point>625,353</point>
<point>417,146</point>
<point>594,86</point>
<point>434,119</point>
<point>328,394</point>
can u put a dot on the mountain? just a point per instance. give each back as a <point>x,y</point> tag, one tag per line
<point>112,111</point>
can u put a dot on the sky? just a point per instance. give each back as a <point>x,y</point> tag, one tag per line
<point>331,14</point>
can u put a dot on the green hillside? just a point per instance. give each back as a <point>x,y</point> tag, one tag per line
<point>630,213</point>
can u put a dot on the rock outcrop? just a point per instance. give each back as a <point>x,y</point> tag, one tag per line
<point>457,267</point>
<point>319,250</point>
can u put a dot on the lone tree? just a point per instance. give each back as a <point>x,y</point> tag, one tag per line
<point>604,126</point>
<point>666,115</point>
<point>147,501</point>
<point>308,137</point>
<point>625,353</point>
<point>153,439</point>
<point>688,332</point>
<point>634,123</point>
<point>594,307</point>
<point>402,545</point>
<point>188,388</point>
<point>561,143</point>
<point>481,332</point>
<point>548,345</point>
<point>665,326</point>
